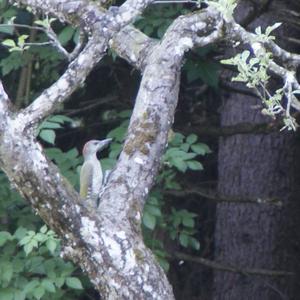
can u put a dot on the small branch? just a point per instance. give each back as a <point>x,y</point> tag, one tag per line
<point>49,32</point>
<point>221,267</point>
<point>95,103</point>
<point>212,195</point>
<point>78,47</point>
<point>239,128</point>
<point>237,32</point>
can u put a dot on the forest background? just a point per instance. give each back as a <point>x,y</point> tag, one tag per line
<point>222,218</point>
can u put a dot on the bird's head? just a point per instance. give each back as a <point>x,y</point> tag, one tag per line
<point>92,147</point>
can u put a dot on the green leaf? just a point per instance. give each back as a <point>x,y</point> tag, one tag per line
<point>59,281</point>
<point>43,229</point>
<point>114,153</point>
<point>149,220</point>
<point>177,139</point>
<point>188,222</point>
<point>201,148</point>
<point>125,114</point>
<point>9,29</point>
<point>194,243</point>
<point>47,135</point>
<point>74,283</point>
<point>185,147</point>
<point>6,271</point>
<point>51,245</point>
<point>194,165</point>
<point>179,164</point>
<point>153,210</point>
<point>40,237</point>
<point>4,237</point>
<point>38,292</point>
<point>163,263</point>
<point>6,294</point>
<point>188,156</point>
<point>175,152</point>
<point>191,139</point>
<point>49,125</point>
<point>25,240</point>
<point>20,233</point>
<point>60,119</point>
<point>108,163</point>
<point>66,35</point>
<point>192,74</point>
<point>118,133</point>
<point>28,248</point>
<point>9,43</point>
<point>48,285</point>
<point>14,61</point>
<point>19,295</point>
<point>31,285</point>
<point>183,239</point>
<point>208,72</point>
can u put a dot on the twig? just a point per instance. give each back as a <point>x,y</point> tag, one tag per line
<point>217,266</point>
<point>212,195</point>
<point>49,32</point>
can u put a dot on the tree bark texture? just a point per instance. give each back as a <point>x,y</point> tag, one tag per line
<point>257,165</point>
<point>247,235</point>
<point>107,244</point>
<point>255,236</point>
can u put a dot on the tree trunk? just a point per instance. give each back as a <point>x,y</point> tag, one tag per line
<point>256,166</point>
<point>247,235</point>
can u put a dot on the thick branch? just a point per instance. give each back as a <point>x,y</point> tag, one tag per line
<point>109,246</point>
<point>132,45</point>
<point>74,76</point>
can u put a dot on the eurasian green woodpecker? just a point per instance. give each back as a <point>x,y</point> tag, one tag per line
<point>91,176</point>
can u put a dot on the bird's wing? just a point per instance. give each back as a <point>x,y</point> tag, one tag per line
<point>86,177</point>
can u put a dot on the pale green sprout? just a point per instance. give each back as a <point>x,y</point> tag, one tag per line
<point>225,7</point>
<point>253,71</point>
<point>46,23</point>
<point>19,46</point>
<point>261,37</point>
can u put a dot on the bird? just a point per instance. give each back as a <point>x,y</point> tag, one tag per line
<point>91,175</point>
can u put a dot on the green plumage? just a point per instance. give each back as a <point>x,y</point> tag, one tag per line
<point>86,179</point>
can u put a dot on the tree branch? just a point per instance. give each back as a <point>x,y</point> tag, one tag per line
<point>237,32</point>
<point>239,128</point>
<point>212,195</point>
<point>221,267</point>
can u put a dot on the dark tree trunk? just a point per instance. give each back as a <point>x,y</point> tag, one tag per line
<point>250,235</point>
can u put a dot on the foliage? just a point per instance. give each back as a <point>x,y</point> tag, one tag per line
<point>155,21</point>
<point>29,251</point>
<point>31,267</point>
<point>16,46</point>
<point>225,7</point>
<point>202,68</point>
<point>46,131</point>
<point>253,70</point>
<point>29,261</point>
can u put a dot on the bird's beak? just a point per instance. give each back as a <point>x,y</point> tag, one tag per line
<point>102,144</point>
